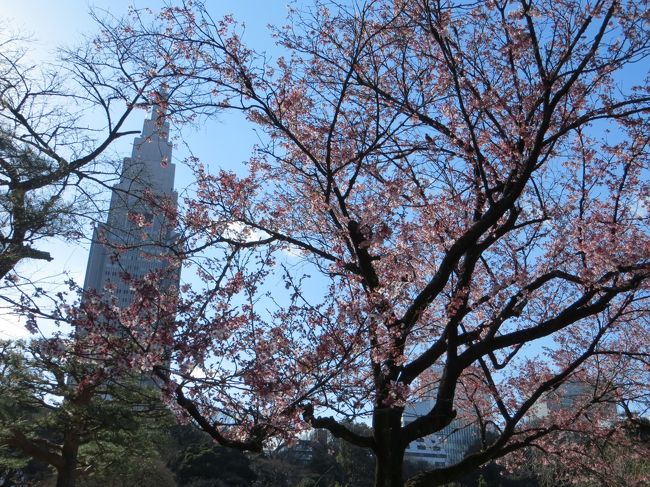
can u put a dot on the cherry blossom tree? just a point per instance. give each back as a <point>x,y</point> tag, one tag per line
<point>450,202</point>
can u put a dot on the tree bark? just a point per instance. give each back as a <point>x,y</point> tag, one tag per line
<point>388,472</point>
<point>66,474</point>
<point>389,448</point>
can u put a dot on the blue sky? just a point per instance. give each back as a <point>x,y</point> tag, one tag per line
<point>223,142</point>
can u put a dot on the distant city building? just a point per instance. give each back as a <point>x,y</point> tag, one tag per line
<point>321,436</point>
<point>301,451</point>
<point>574,394</point>
<point>445,447</point>
<point>137,234</point>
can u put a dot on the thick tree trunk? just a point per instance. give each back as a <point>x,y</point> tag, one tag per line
<point>389,449</point>
<point>66,474</point>
<point>388,472</point>
<point>66,477</point>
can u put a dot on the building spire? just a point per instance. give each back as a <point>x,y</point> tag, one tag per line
<point>156,126</point>
<point>159,106</point>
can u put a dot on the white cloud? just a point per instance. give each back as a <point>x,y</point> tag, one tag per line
<point>198,373</point>
<point>242,233</point>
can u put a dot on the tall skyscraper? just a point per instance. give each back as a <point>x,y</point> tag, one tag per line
<point>138,233</point>
<point>442,448</point>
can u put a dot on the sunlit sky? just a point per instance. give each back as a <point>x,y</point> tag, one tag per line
<point>223,142</point>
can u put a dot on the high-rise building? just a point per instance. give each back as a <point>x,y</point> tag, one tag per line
<point>138,235</point>
<point>442,448</point>
<point>573,396</point>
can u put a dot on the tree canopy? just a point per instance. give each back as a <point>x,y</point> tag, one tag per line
<point>453,195</point>
<point>74,415</point>
<point>449,202</point>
